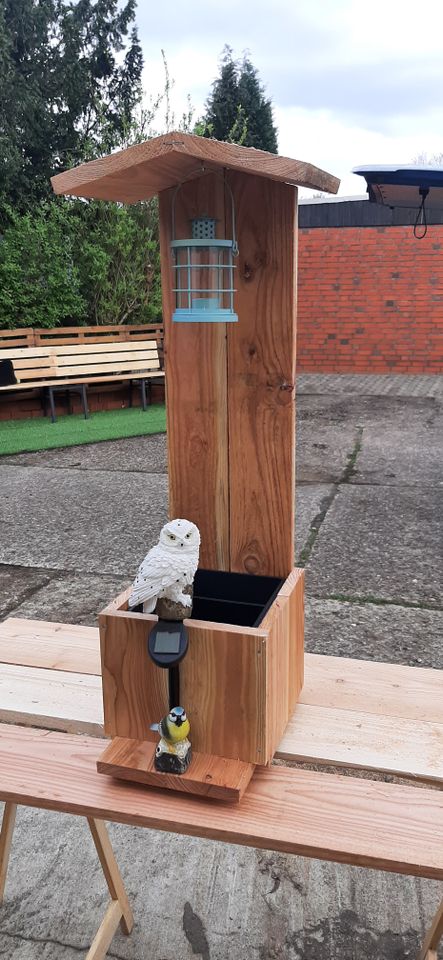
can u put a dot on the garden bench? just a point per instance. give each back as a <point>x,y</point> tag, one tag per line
<point>369,716</point>
<point>75,366</point>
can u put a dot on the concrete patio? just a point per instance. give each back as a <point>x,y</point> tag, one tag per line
<point>74,524</point>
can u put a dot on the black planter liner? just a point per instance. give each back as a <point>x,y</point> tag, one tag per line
<point>237,598</point>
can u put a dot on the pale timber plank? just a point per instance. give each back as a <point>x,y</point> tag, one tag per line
<point>386,689</point>
<point>55,700</point>
<point>55,646</point>
<point>368,823</point>
<point>405,747</point>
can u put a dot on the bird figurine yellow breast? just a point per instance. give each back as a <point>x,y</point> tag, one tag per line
<point>173,751</point>
<point>174,727</point>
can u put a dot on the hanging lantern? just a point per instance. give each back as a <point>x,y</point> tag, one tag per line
<point>204,274</point>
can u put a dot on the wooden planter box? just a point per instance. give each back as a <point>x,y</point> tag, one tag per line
<point>241,676</point>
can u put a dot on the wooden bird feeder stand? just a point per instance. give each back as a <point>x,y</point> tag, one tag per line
<point>231,450</point>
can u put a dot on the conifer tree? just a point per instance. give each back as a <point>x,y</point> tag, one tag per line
<point>70,77</point>
<point>237,109</point>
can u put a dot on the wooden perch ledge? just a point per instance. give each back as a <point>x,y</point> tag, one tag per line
<point>142,171</point>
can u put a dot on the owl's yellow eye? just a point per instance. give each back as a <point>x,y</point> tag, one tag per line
<point>188,535</point>
<point>171,536</point>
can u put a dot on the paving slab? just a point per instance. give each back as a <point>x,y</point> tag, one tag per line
<point>146,454</point>
<point>87,521</point>
<point>17,583</point>
<point>370,631</point>
<point>402,443</point>
<point>71,598</point>
<point>372,384</point>
<point>322,449</point>
<point>200,898</point>
<point>309,501</point>
<point>383,542</point>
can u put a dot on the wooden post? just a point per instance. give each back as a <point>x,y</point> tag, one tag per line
<point>261,379</point>
<point>196,385</point>
<point>231,387</point>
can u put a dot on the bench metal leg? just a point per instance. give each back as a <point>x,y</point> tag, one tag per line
<point>143,390</point>
<point>119,910</point>
<point>433,937</point>
<point>52,404</point>
<point>7,830</point>
<point>85,402</point>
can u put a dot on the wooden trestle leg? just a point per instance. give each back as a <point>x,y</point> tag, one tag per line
<point>119,910</point>
<point>433,937</point>
<point>6,832</point>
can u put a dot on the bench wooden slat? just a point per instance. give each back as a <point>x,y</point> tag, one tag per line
<point>127,347</point>
<point>27,353</point>
<point>72,350</point>
<point>383,826</point>
<point>126,366</point>
<point>134,357</point>
<point>86,379</point>
<point>48,366</point>
<point>55,700</point>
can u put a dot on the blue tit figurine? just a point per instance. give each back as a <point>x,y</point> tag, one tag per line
<point>173,752</point>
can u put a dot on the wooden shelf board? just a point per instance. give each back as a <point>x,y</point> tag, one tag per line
<point>208,776</point>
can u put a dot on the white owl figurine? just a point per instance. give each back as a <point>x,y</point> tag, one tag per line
<point>169,567</point>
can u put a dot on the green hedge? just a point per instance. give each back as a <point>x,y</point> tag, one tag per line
<point>73,262</point>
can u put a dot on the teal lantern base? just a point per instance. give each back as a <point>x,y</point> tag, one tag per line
<point>204,316</point>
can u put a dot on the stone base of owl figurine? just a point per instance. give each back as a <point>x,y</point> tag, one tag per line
<point>173,759</point>
<point>172,609</point>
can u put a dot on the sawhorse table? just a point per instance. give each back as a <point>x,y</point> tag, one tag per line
<point>352,713</point>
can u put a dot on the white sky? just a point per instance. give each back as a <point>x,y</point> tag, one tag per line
<point>351,83</point>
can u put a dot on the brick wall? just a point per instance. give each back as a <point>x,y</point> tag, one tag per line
<point>370,300</point>
<point>103,397</point>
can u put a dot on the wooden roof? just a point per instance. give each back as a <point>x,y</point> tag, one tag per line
<point>142,171</point>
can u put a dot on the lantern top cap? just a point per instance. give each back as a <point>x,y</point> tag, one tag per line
<point>144,170</point>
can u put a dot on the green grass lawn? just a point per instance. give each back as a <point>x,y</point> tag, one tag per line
<point>19,436</point>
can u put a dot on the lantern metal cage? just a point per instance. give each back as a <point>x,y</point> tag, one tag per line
<point>204,273</point>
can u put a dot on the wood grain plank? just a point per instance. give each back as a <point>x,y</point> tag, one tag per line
<point>208,775</point>
<point>406,748</point>
<point>224,685</point>
<point>135,690</point>
<point>51,698</point>
<point>384,826</point>
<point>261,384</point>
<point>196,383</point>
<point>285,647</point>
<point>55,646</point>
<point>164,161</point>
<point>391,690</point>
